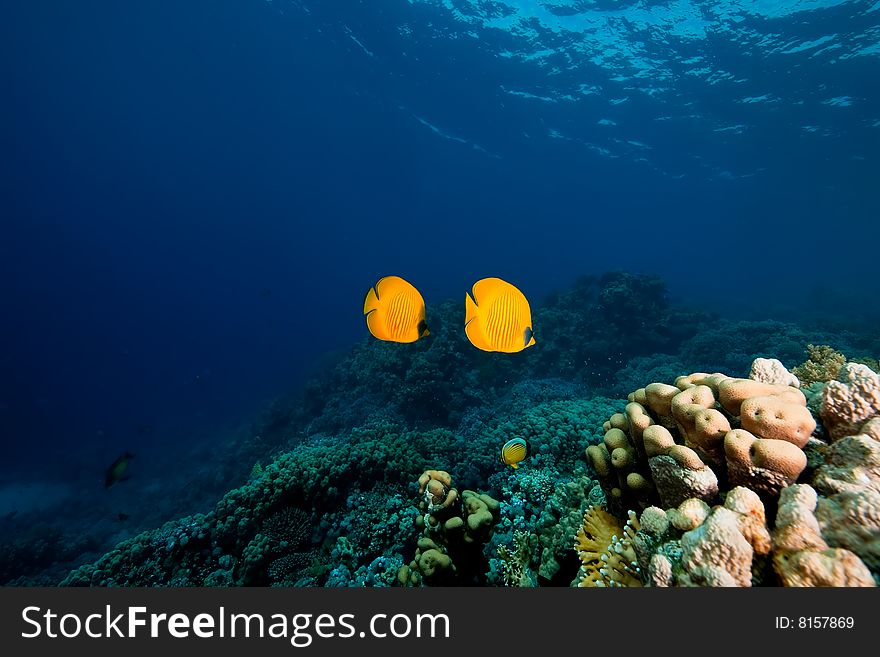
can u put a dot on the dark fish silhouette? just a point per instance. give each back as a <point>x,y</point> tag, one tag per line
<point>122,516</point>
<point>116,471</point>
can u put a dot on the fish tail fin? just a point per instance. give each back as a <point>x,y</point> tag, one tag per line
<point>470,309</point>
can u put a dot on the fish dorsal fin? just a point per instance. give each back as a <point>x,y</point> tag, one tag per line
<point>486,289</point>
<point>391,285</point>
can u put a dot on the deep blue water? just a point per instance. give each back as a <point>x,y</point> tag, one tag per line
<point>196,195</point>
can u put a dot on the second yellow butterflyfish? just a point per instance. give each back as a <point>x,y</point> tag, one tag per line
<point>395,311</point>
<point>498,317</point>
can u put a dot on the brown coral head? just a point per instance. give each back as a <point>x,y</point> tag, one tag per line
<point>775,418</point>
<point>686,457</point>
<point>599,459</point>
<point>780,456</point>
<point>657,440</point>
<point>435,492</point>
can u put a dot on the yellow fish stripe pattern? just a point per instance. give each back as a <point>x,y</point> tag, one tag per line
<point>514,451</point>
<point>395,311</point>
<point>498,317</point>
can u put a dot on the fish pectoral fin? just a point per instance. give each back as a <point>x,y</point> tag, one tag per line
<point>475,335</point>
<point>391,285</point>
<point>376,325</point>
<point>487,288</point>
<point>514,466</point>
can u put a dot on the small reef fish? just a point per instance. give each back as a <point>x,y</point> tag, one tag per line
<point>116,471</point>
<point>122,517</point>
<point>515,451</point>
<point>498,317</point>
<point>395,311</point>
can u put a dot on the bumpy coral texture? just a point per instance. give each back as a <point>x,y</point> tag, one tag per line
<point>717,547</point>
<point>453,530</point>
<point>801,557</point>
<point>849,509</point>
<point>771,370</point>
<point>672,442</point>
<point>823,364</point>
<point>851,401</point>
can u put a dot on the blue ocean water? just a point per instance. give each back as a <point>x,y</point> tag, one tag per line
<point>196,196</point>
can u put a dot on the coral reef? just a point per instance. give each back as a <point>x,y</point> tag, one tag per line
<point>699,478</point>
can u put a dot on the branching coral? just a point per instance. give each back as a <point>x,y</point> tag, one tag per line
<point>822,364</point>
<point>515,562</point>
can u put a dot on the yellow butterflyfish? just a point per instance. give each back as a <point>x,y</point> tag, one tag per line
<point>395,311</point>
<point>515,451</point>
<point>498,317</point>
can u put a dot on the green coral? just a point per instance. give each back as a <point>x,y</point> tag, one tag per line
<point>255,524</point>
<point>559,429</point>
<point>515,562</point>
<point>822,365</point>
<point>871,363</point>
